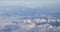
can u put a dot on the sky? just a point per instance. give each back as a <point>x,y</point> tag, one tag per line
<point>53,5</point>
<point>29,3</point>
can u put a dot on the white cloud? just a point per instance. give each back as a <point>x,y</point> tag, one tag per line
<point>39,20</point>
<point>29,26</point>
<point>7,21</point>
<point>58,20</point>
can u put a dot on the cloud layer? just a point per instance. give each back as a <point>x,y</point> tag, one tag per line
<point>15,24</point>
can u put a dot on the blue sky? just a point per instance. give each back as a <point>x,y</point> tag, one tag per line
<point>29,3</point>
